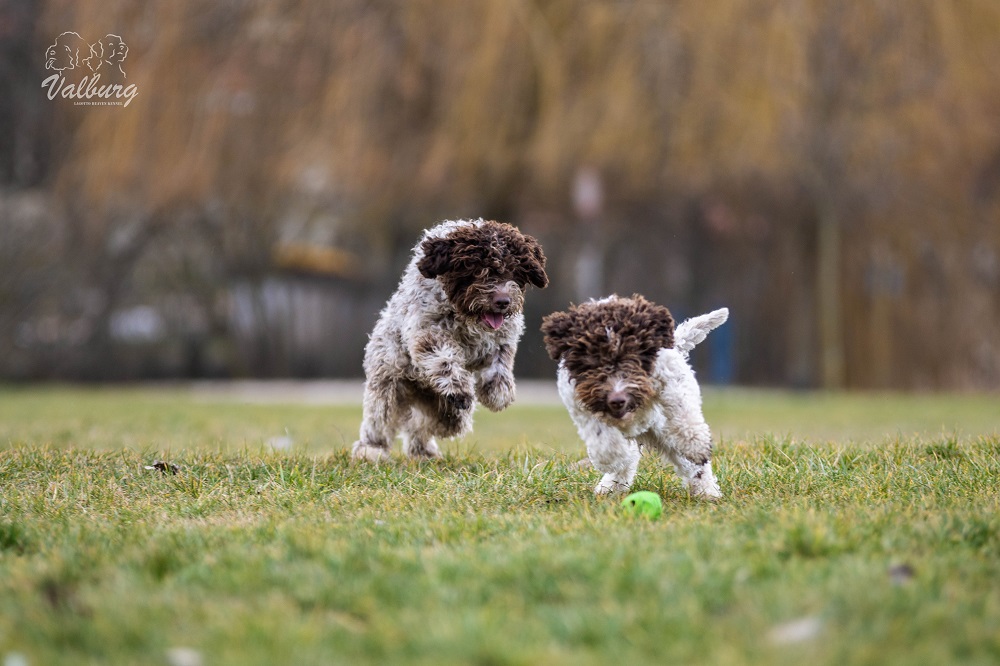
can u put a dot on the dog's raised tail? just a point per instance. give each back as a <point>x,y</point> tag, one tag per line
<point>692,331</point>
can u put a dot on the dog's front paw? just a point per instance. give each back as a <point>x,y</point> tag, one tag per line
<point>496,394</point>
<point>458,401</point>
<point>706,489</point>
<point>610,485</point>
<point>454,415</point>
<point>712,495</point>
<point>703,484</point>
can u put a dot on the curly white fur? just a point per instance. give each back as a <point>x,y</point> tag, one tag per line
<point>425,364</point>
<point>672,424</point>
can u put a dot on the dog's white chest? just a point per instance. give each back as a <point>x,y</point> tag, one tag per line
<point>650,419</point>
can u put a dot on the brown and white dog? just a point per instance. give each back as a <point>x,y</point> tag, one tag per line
<point>447,336</point>
<point>625,379</point>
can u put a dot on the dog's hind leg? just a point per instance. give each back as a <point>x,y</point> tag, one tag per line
<point>418,437</point>
<point>379,423</point>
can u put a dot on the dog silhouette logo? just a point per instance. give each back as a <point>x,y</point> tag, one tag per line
<point>100,67</point>
<point>69,51</point>
<point>108,54</point>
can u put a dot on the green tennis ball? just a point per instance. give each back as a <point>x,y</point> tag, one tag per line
<point>643,503</point>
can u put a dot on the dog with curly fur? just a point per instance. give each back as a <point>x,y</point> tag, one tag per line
<point>446,338</point>
<point>625,379</point>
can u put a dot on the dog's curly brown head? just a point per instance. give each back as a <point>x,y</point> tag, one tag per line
<point>484,269</point>
<point>609,348</point>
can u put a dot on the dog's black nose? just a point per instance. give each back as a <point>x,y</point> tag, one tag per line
<point>617,402</point>
<point>501,302</point>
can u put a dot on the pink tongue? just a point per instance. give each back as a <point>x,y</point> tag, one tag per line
<point>493,319</point>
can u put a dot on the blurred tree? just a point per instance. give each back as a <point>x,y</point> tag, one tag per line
<point>828,170</point>
<point>23,114</point>
<point>865,62</point>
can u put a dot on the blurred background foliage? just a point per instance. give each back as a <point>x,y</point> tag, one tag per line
<point>828,170</point>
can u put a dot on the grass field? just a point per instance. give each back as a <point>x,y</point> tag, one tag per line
<point>856,529</point>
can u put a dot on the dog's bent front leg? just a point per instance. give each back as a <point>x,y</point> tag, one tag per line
<point>610,452</point>
<point>687,444</point>
<point>495,386</point>
<point>696,474</point>
<point>441,364</point>
<point>686,440</point>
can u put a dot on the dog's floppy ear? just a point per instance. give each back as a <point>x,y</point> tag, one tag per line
<point>531,265</point>
<point>437,257</point>
<point>558,330</point>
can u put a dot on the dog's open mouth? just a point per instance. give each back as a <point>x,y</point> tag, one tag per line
<point>493,319</point>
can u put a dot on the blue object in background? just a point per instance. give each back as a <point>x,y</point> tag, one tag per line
<point>718,350</point>
<point>722,354</point>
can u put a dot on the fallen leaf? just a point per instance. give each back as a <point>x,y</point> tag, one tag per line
<point>164,466</point>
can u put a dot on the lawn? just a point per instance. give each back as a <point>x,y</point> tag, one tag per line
<point>856,529</point>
